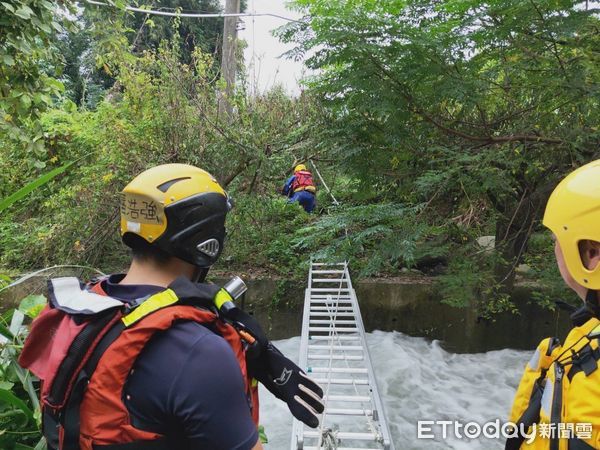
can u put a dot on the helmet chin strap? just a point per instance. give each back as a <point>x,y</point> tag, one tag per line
<point>590,308</point>
<point>200,274</point>
<point>592,303</point>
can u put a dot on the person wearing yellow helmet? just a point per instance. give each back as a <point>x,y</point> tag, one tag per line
<point>174,210</point>
<point>560,388</point>
<point>300,188</point>
<point>152,359</point>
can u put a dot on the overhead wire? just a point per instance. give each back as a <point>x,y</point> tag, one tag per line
<point>155,12</point>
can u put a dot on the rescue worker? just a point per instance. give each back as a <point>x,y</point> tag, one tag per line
<point>559,393</point>
<point>143,360</point>
<point>301,188</point>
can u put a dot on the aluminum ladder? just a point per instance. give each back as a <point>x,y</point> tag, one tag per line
<point>333,351</point>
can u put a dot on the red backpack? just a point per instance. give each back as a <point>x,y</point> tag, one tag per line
<point>83,346</point>
<point>303,181</point>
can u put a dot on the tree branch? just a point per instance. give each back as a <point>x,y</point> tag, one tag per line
<point>451,131</point>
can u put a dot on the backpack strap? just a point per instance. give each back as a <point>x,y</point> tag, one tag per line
<point>70,415</point>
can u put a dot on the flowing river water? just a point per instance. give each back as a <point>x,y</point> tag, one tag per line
<point>432,362</point>
<point>419,380</point>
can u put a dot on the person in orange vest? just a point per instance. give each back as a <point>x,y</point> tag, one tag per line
<point>301,188</point>
<point>558,399</point>
<point>155,359</point>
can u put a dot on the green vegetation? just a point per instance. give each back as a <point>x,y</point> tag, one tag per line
<point>20,417</point>
<point>435,123</point>
<point>472,110</point>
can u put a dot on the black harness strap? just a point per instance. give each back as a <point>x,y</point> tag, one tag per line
<point>586,361</point>
<point>530,416</point>
<point>75,356</point>
<point>70,418</point>
<point>578,444</point>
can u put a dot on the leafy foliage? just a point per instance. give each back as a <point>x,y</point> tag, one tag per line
<point>377,239</point>
<point>27,55</point>
<point>20,416</point>
<point>434,123</point>
<point>474,108</point>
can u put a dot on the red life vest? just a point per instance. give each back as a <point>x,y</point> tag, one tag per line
<point>303,181</point>
<point>95,399</point>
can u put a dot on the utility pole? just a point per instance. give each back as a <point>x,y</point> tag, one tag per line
<point>228,58</point>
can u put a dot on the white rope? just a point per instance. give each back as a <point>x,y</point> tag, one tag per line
<point>38,272</point>
<point>192,15</point>
<point>330,440</point>
<point>333,334</point>
<point>335,202</point>
<point>329,372</point>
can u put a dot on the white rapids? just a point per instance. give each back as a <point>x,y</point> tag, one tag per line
<point>419,380</point>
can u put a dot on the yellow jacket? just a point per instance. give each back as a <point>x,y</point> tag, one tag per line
<point>559,393</point>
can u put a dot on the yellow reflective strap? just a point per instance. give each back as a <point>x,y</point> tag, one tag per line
<point>254,382</point>
<point>154,303</point>
<point>221,298</point>
<point>595,332</point>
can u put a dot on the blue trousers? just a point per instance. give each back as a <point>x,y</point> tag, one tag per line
<point>306,200</point>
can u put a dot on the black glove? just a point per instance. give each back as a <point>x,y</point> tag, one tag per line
<point>286,381</point>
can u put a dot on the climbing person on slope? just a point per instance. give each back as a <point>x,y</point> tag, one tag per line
<point>559,393</point>
<point>155,359</point>
<point>301,188</point>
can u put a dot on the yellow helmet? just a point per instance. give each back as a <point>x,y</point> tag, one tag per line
<point>573,215</point>
<point>299,167</point>
<point>178,208</point>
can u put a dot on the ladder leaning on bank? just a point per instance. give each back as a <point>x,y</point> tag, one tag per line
<point>333,351</point>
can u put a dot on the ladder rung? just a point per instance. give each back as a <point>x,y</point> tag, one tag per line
<point>336,357</point>
<point>337,348</point>
<point>336,329</point>
<point>330,297</point>
<point>335,339</point>
<point>347,412</point>
<point>326,309</point>
<point>337,370</point>
<point>328,271</point>
<point>332,289</point>
<point>331,303</point>
<point>328,264</point>
<point>325,381</point>
<point>332,322</point>
<point>345,448</point>
<point>335,313</point>
<point>348,398</point>
<point>345,435</point>
<point>330,280</point>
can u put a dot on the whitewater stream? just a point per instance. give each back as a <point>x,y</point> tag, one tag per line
<point>419,380</point>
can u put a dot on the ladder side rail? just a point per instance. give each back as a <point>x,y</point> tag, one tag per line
<point>298,427</point>
<point>385,432</point>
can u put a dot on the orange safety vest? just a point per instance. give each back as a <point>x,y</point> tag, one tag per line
<point>94,395</point>
<point>303,181</point>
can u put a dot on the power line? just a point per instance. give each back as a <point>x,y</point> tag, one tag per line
<point>192,15</point>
